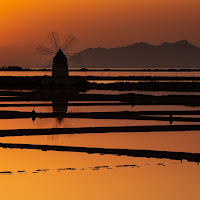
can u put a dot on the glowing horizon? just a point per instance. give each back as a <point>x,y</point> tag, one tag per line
<point>96,23</point>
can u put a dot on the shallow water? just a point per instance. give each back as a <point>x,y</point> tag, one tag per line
<point>102,73</point>
<point>44,174</point>
<point>36,174</point>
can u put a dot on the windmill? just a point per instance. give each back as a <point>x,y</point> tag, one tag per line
<point>59,53</point>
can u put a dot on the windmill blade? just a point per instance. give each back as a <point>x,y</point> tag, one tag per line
<point>54,39</point>
<point>47,64</point>
<point>42,50</point>
<point>69,42</point>
<point>76,57</point>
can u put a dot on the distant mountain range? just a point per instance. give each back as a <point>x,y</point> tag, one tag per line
<point>143,55</point>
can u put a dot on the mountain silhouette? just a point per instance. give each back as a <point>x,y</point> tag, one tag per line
<point>143,55</point>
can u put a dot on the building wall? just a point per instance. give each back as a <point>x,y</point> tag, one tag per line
<point>60,67</point>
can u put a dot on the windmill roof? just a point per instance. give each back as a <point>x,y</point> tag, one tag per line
<point>60,53</point>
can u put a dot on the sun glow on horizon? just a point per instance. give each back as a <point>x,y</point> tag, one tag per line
<point>105,23</point>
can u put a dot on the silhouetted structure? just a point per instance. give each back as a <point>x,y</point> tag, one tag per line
<point>60,66</point>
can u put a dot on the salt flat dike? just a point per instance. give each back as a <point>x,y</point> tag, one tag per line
<point>190,157</point>
<point>188,84</point>
<point>141,115</point>
<point>123,99</point>
<point>143,55</point>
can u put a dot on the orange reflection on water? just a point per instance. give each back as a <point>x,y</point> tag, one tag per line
<point>145,182</point>
<point>36,174</point>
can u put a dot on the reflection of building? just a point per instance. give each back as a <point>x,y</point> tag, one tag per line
<point>60,98</point>
<point>60,106</point>
<point>60,66</point>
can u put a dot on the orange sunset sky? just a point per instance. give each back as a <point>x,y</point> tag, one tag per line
<point>97,23</point>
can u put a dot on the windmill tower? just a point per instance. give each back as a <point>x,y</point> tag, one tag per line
<point>60,56</point>
<point>60,66</point>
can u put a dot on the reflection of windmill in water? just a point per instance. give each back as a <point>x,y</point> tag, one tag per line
<point>59,69</point>
<point>60,54</point>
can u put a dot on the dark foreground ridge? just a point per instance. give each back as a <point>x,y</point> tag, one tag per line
<point>131,99</point>
<point>189,84</point>
<point>93,130</point>
<point>191,157</point>
<point>106,115</point>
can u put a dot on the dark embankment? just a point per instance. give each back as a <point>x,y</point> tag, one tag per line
<point>17,68</point>
<point>41,82</point>
<point>188,84</point>
<point>132,99</point>
<point>149,86</point>
<point>102,115</point>
<point>116,129</point>
<point>144,78</point>
<point>191,157</point>
<point>122,113</point>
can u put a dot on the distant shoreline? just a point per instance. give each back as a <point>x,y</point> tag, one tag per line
<point>111,69</point>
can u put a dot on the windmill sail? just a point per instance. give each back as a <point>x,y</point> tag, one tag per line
<point>51,46</point>
<point>54,39</point>
<point>42,50</point>
<point>69,42</point>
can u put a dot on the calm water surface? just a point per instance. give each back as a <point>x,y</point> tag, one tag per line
<point>104,73</point>
<point>36,174</point>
